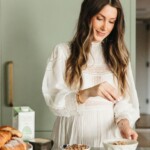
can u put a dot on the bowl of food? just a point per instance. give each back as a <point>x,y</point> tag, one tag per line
<point>120,144</point>
<point>75,147</point>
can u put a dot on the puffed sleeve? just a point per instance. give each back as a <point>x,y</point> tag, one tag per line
<point>128,106</point>
<point>60,99</point>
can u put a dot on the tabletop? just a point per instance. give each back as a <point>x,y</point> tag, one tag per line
<point>139,148</point>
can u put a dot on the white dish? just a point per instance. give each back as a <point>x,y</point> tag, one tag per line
<point>64,147</point>
<point>128,144</point>
<point>29,146</point>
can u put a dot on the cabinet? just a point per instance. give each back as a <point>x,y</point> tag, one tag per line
<point>29,29</point>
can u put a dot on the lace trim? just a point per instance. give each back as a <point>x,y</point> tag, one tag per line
<point>97,70</point>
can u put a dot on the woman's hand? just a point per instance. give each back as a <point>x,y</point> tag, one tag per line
<point>126,131</point>
<point>107,91</point>
<point>104,90</point>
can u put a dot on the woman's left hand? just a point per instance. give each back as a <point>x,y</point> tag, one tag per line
<point>126,131</point>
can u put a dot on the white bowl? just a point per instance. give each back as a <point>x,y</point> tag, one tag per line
<point>128,144</point>
<point>66,145</point>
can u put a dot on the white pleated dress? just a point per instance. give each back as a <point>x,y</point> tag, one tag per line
<point>94,121</point>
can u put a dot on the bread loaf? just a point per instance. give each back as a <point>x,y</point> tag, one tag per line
<point>10,139</point>
<point>5,136</point>
<point>14,144</point>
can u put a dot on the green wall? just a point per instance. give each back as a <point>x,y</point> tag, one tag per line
<point>29,29</point>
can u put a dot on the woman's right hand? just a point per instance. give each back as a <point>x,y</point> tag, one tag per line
<point>105,90</point>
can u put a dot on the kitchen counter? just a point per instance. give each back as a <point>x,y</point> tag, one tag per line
<point>139,148</point>
<point>143,148</point>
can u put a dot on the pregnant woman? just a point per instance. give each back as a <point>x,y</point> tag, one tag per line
<point>88,83</point>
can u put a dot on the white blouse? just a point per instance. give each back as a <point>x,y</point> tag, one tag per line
<point>97,117</point>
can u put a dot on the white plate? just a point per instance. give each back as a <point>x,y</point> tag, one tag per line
<point>29,146</point>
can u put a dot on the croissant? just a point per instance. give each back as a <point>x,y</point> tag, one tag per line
<point>14,144</point>
<point>8,128</point>
<point>5,136</point>
<point>13,131</point>
<point>10,139</point>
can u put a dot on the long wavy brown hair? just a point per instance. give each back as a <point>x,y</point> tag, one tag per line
<point>115,52</point>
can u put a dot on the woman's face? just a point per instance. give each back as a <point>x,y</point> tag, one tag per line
<point>103,23</point>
